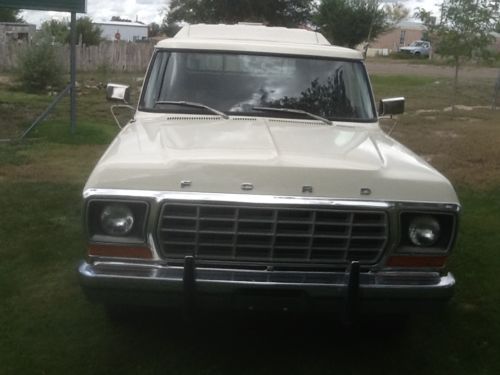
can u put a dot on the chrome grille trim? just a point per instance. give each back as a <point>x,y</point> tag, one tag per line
<point>160,196</point>
<point>271,233</point>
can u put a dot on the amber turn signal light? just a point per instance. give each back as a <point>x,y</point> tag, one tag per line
<point>416,261</point>
<point>120,251</point>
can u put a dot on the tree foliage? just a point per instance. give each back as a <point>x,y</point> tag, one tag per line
<point>57,30</point>
<point>86,31</point>
<point>270,12</point>
<point>10,15</point>
<point>464,29</point>
<point>351,22</point>
<point>153,30</point>
<point>39,65</point>
<point>89,32</point>
<point>170,29</point>
<point>326,99</point>
<point>119,19</point>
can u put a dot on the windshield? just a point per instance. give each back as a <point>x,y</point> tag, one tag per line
<point>237,83</point>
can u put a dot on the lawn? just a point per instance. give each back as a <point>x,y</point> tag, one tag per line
<point>47,326</point>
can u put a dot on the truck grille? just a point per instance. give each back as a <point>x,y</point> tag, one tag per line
<point>272,234</point>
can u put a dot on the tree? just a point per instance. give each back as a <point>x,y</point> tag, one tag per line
<point>57,30</point>
<point>351,22</point>
<point>396,12</point>
<point>39,65</point>
<point>89,32</point>
<point>10,15</point>
<point>170,29</point>
<point>153,30</point>
<point>271,12</point>
<point>463,31</point>
<point>119,19</point>
<point>86,30</point>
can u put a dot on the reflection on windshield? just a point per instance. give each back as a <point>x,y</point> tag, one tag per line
<point>327,100</point>
<point>235,83</point>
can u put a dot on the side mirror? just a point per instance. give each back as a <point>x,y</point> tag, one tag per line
<point>115,91</point>
<point>391,106</point>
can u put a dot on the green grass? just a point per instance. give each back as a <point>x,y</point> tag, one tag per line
<point>85,133</point>
<point>423,92</point>
<point>12,154</point>
<point>48,327</point>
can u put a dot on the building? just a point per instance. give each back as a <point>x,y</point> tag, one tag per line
<point>401,35</point>
<point>16,32</point>
<point>124,31</point>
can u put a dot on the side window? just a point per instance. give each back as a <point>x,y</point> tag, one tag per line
<point>154,80</point>
<point>402,38</point>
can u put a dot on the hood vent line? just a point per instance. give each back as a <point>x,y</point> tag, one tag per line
<point>299,122</point>
<point>207,118</point>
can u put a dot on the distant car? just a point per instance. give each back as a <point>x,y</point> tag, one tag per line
<point>417,48</point>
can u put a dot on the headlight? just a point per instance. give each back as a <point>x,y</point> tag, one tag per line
<point>424,231</point>
<point>117,220</point>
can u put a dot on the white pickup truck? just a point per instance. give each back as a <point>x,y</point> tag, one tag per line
<point>254,174</point>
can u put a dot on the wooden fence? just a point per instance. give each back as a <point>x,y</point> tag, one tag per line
<point>113,56</point>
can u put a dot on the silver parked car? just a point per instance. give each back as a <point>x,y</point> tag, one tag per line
<point>417,48</point>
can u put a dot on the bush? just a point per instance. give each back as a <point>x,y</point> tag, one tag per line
<point>39,67</point>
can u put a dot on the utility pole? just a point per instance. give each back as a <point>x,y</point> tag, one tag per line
<point>73,72</point>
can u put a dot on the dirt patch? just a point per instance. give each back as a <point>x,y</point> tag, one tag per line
<point>460,107</point>
<point>394,67</point>
<point>5,80</point>
<point>465,149</point>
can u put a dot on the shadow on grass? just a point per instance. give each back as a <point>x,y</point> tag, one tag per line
<point>251,343</point>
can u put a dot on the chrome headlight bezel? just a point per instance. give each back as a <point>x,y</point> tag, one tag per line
<point>447,222</point>
<point>97,234</point>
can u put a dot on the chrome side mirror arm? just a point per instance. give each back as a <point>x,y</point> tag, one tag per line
<point>115,117</point>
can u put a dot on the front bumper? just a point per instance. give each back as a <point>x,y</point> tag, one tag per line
<point>177,286</point>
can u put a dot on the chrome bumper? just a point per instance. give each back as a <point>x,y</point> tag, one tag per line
<point>153,284</point>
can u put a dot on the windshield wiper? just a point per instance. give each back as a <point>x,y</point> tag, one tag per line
<point>298,111</point>
<point>193,104</point>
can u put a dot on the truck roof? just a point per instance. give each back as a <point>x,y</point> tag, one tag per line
<point>256,38</point>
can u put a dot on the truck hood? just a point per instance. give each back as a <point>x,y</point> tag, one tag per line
<point>276,156</point>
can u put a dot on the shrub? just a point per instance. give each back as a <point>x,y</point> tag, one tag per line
<point>39,67</point>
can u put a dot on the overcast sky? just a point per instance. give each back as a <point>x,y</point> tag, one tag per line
<point>149,11</point>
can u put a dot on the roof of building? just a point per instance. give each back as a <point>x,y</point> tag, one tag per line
<point>120,23</point>
<point>411,25</point>
<point>17,24</point>
<point>256,38</point>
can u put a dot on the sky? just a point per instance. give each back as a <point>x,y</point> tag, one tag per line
<point>149,11</point>
<point>146,11</point>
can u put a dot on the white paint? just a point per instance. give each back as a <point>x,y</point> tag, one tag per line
<point>256,39</point>
<point>278,159</point>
